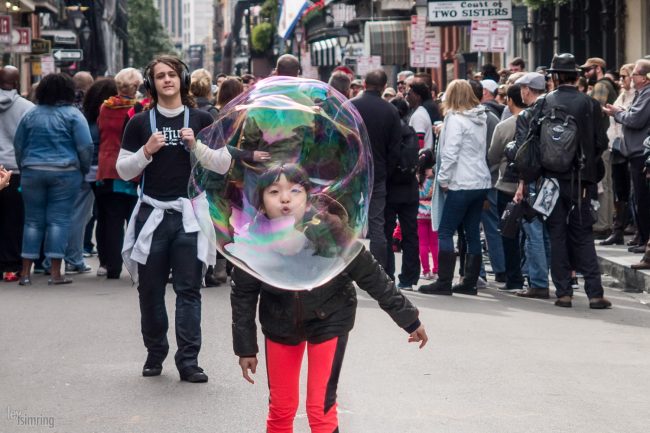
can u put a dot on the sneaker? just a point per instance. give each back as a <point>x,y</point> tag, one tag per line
<point>427,276</point>
<point>574,283</point>
<point>407,287</point>
<point>481,283</point>
<point>90,253</point>
<point>11,277</point>
<point>71,269</point>
<point>101,271</point>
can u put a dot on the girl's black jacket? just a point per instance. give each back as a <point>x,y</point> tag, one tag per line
<point>318,315</point>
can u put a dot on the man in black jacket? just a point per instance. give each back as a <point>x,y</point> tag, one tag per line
<point>570,222</point>
<point>383,125</point>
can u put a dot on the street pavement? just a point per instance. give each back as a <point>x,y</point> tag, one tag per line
<point>71,359</point>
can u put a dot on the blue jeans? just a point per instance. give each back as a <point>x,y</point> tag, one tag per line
<point>537,250</point>
<point>462,207</point>
<point>490,219</point>
<point>49,198</point>
<point>81,213</point>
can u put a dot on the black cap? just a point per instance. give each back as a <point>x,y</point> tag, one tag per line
<point>564,62</point>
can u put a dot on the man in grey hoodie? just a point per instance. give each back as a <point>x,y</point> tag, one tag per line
<point>12,109</point>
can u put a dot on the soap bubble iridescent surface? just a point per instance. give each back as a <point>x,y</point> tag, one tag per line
<point>294,221</point>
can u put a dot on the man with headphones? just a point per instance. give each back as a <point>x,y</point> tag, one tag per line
<point>164,231</point>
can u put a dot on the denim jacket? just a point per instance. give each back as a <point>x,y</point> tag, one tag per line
<point>56,136</point>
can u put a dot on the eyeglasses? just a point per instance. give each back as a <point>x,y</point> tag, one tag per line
<point>400,83</point>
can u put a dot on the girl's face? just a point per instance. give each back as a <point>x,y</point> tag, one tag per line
<point>283,198</point>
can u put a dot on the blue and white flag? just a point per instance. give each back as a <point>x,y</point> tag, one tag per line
<point>289,15</point>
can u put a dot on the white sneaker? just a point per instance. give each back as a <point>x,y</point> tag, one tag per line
<point>481,283</point>
<point>101,271</point>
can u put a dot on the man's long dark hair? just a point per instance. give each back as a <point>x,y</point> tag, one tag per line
<point>177,66</point>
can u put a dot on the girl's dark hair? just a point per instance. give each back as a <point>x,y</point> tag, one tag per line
<point>177,66</point>
<point>55,89</point>
<point>230,88</point>
<point>426,161</point>
<point>101,90</point>
<point>293,172</point>
<point>402,107</point>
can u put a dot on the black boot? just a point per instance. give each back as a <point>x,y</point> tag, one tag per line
<point>472,271</point>
<point>616,238</point>
<point>210,280</point>
<point>446,268</point>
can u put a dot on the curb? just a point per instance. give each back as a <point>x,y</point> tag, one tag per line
<point>619,267</point>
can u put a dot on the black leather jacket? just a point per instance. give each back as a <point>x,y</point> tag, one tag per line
<point>318,315</point>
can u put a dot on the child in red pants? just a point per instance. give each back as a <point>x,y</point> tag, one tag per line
<point>318,320</point>
<point>427,237</point>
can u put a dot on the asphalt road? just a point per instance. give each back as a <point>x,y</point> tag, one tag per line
<point>71,359</point>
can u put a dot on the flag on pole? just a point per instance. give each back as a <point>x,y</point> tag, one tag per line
<point>290,13</point>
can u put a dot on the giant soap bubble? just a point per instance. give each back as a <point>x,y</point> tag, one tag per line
<point>294,221</point>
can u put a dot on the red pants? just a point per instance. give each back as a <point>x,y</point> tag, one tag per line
<point>428,245</point>
<point>283,368</point>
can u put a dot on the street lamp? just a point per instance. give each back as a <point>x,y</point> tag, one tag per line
<point>298,34</point>
<point>526,34</point>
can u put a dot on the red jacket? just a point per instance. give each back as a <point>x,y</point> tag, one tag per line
<point>112,118</point>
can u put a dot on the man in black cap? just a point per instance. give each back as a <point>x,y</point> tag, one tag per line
<point>570,222</point>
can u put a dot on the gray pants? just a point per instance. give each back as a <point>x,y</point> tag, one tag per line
<point>376,223</point>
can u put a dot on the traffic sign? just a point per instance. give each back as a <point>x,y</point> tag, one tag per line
<point>40,46</point>
<point>64,55</point>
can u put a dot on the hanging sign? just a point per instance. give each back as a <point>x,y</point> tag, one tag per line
<point>5,29</point>
<point>458,11</point>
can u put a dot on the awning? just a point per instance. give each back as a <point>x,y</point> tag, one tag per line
<point>325,52</point>
<point>388,39</point>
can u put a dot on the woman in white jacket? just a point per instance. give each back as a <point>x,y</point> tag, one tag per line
<point>463,178</point>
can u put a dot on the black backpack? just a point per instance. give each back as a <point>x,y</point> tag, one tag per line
<point>407,163</point>
<point>558,138</point>
<point>527,158</point>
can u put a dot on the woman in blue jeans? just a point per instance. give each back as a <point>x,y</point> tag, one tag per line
<point>464,178</point>
<point>53,150</point>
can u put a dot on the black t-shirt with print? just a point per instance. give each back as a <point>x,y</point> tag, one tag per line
<point>167,176</point>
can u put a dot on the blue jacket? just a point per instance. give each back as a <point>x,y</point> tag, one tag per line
<point>56,136</point>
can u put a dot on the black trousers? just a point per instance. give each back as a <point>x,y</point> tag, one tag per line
<point>171,249</point>
<point>113,213</point>
<point>621,181</point>
<point>641,197</point>
<point>407,213</point>
<point>12,220</point>
<point>572,241</point>
<point>511,248</point>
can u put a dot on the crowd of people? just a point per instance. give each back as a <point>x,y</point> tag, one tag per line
<point>543,164</point>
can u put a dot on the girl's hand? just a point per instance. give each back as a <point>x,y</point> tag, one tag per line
<point>248,363</point>
<point>418,336</point>
<point>259,156</point>
<point>519,194</point>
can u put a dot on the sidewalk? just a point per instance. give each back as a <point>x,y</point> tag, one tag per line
<point>616,261</point>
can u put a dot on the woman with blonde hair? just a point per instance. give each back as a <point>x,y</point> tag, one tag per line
<point>201,89</point>
<point>461,184</point>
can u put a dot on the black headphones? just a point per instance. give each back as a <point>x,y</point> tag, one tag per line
<point>150,85</point>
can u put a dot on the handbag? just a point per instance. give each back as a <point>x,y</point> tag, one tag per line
<point>619,147</point>
<point>510,220</point>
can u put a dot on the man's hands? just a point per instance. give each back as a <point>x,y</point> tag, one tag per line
<point>519,194</point>
<point>611,110</point>
<point>417,336</point>
<point>5,176</point>
<point>153,145</point>
<point>250,363</point>
<point>259,156</point>
<point>188,139</point>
